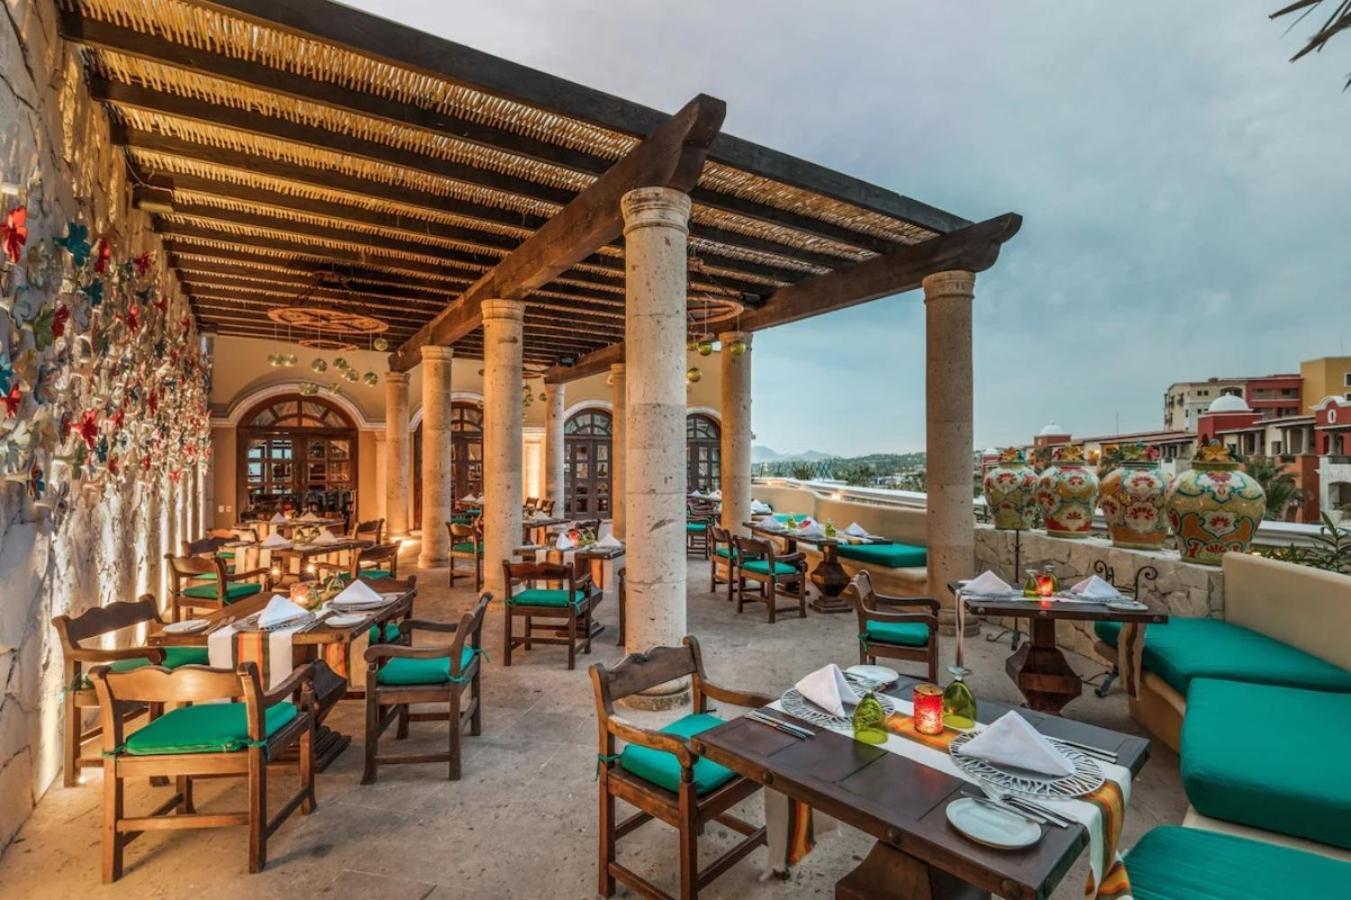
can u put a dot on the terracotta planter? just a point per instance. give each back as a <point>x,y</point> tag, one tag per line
<point>1132,501</point>
<point>1011,491</point>
<point>1067,492</point>
<point>1214,508</point>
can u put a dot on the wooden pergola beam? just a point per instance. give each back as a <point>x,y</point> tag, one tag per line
<point>671,156</point>
<point>973,248</point>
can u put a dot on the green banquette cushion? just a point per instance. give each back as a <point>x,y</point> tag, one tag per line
<point>890,556</point>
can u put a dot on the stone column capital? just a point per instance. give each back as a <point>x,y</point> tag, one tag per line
<point>655,206</point>
<point>953,283</point>
<point>437,352</point>
<point>393,377</point>
<point>381,435</point>
<point>503,308</point>
<point>555,389</point>
<point>726,337</point>
<point>616,368</point>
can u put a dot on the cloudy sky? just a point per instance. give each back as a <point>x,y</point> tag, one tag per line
<point>1184,188</point>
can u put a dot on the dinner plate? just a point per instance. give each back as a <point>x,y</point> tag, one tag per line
<point>992,826</point>
<point>1127,605</point>
<point>880,675</point>
<point>187,626</point>
<point>344,620</point>
<point>353,605</point>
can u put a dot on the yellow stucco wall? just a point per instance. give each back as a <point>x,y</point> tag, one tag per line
<point>1324,377</point>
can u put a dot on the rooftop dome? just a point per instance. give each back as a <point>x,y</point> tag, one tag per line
<point>991,452</point>
<point>1228,403</point>
<point>1052,430</point>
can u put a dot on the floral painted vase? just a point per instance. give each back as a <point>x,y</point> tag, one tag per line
<point>1132,499</point>
<point>1011,491</point>
<point>1067,492</point>
<point>1214,507</point>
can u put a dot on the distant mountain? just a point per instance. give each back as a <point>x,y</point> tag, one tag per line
<point>760,454</point>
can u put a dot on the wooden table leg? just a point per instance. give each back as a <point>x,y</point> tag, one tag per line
<point>830,579</point>
<point>1042,673</point>
<point>329,688</point>
<point>891,874</point>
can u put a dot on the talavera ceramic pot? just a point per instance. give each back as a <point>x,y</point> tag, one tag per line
<point>1067,493</point>
<point>1132,500</point>
<point>1214,507</point>
<point>1011,491</point>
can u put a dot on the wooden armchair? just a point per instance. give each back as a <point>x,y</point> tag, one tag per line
<point>755,560</point>
<point>400,675</point>
<point>894,633</point>
<point>202,739</point>
<point>531,504</point>
<point>369,532</point>
<point>573,602</point>
<point>370,563</point>
<point>721,549</point>
<point>79,693</point>
<point>207,583</point>
<point>661,776</point>
<point>466,542</point>
<point>696,534</point>
<point>547,506</point>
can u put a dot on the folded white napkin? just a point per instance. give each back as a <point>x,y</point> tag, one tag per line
<point>309,517</point>
<point>278,519</point>
<point>699,494</point>
<point>540,516</point>
<point>357,593</point>
<point>279,611</point>
<point>828,689</point>
<point>1095,588</point>
<point>1012,741</point>
<point>811,530</point>
<point>564,542</point>
<point>325,537</point>
<point>608,542</point>
<point>987,583</point>
<point>467,498</point>
<point>759,506</point>
<point>716,495</point>
<point>275,541</point>
<point>856,530</point>
<point>773,524</point>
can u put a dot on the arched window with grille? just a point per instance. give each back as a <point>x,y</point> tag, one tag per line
<point>466,454</point>
<point>587,451</point>
<point>297,451</point>
<point>703,453</point>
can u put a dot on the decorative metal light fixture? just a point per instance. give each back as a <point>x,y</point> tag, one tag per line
<point>381,344</point>
<point>692,375</point>
<point>319,365</point>
<point>705,347</point>
<point>737,347</point>
<point>371,379</point>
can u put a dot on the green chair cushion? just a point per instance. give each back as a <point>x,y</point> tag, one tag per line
<point>726,553</point>
<point>663,769</point>
<point>226,554</point>
<point>890,556</point>
<point>207,728</point>
<point>696,527</point>
<point>1175,863</point>
<point>1189,648</point>
<point>367,573</point>
<point>422,671</point>
<point>1248,756</point>
<point>235,590</point>
<point>544,597</point>
<point>465,548</point>
<point>391,633</point>
<point>761,567</point>
<point>908,634</point>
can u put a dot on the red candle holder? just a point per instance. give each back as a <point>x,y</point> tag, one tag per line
<point>1045,584</point>
<point>928,703</point>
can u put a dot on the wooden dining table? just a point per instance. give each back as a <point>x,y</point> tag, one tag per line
<point>902,803</point>
<point>329,646</point>
<point>303,553</point>
<point>829,576</point>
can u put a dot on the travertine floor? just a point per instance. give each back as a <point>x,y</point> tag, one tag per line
<point>521,823</point>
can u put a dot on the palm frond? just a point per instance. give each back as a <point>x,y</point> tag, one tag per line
<point>1338,21</point>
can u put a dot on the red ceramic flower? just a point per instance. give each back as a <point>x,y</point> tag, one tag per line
<point>133,318</point>
<point>59,320</point>
<point>14,232</point>
<point>142,264</point>
<point>12,402</point>
<point>102,253</point>
<point>89,427</point>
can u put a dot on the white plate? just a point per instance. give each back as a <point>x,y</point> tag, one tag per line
<point>991,826</point>
<point>187,626</point>
<point>1127,605</point>
<point>353,605</point>
<point>345,620</point>
<point>880,674</point>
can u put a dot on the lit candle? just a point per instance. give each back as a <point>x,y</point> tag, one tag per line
<point>1045,584</point>
<point>928,709</point>
<point>312,569</point>
<point>276,573</point>
<point>300,593</point>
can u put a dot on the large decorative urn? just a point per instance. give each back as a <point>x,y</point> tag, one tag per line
<point>1067,492</point>
<point>1132,499</point>
<point>1011,491</point>
<point>1214,507</point>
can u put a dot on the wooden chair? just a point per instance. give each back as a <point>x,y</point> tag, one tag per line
<point>890,634</point>
<point>720,549</point>
<point>79,691</point>
<point>696,535</point>
<point>207,583</point>
<point>754,560</point>
<point>400,675</point>
<point>658,773</point>
<point>531,504</point>
<point>466,542</point>
<point>202,739</point>
<point>371,563</point>
<point>369,532</point>
<point>573,603</point>
<point>547,507</point>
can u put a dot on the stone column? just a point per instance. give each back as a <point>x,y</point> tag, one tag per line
<point>618,432</point>
<point>949,437</point>
<point>736,433</point>
<point>436,473</point>
<point>502,384</point>
<point>381,479</point>
<point>397,481</point>
<point>554,398</point>
<point>655,233</point>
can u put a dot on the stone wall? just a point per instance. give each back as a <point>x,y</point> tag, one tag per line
<point>107,546</point>
<point>1182,589</point>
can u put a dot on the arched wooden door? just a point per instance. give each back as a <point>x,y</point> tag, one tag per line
<point>296,451</point>
<point>587,449</point>
<point>703,453</point>
<point>466,455</point>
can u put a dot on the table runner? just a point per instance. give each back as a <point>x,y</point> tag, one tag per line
<point>274,653</point>
<point>791,830</point>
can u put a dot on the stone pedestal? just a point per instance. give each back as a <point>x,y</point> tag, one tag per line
<point>949,436</point>
<point>397,481</point>
<point>736,433</point>
<point>655,231</point>
<point>503,321</point>
<point>554,399</point>
<point>436,471</point>
<point>618,436</point>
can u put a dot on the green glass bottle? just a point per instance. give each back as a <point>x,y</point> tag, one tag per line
<point>1030,585</point>
<point>959,704</point>
<point>868,718</point>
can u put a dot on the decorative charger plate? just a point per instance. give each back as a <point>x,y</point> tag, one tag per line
<point>797,705</point>
<point>1086,778</point>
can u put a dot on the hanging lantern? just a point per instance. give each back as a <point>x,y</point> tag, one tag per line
<point>380,344</point>
<point>308,389</point>
<point>351,375</point>
<point>319,365</point>
<point>692,345</point>
<point>274,360</point>
<point>371,379</point>
<point>737,347</point>
<point>705,348</point>
<point>692,375</point>
<point>543,396</point>
<point>292,360</point>
<point>340,363</point>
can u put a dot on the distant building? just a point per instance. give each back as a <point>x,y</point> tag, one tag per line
<point>1184,401</point>
<point>1329,376</point>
